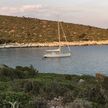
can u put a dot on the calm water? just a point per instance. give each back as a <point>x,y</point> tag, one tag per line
<point>84,59</point>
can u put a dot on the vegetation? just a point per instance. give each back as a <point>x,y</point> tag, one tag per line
<point>25,30</point>
<point>31,89</point>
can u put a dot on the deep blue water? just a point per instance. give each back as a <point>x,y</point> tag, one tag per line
<point>84,59</point>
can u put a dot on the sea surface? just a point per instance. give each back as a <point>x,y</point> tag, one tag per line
<point>84,59</point>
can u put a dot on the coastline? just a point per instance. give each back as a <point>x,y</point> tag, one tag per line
<point>52,44</point>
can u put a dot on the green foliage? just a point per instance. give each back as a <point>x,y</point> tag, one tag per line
<point>19,97</point>
<point>7,97</point>
<point>7,73</point>
<point>95,95</point>
<point>27,71</point>
<point>38,102</point>
<point>32,89</point>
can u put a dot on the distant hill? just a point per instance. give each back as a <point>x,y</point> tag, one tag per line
<point>23,29</point>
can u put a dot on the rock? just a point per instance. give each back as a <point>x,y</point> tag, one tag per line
<point>79,103</point>
<point>81,81</point>
<point>99,76</point>
<point>56,103</point>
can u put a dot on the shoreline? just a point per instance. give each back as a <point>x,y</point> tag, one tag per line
<point>53,44</point>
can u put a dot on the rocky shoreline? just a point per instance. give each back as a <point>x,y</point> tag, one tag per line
<point>51,44</point>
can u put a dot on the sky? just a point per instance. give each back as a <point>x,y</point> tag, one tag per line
<point>86,12</point>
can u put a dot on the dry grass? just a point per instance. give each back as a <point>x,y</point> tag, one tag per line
<point>26,30</point>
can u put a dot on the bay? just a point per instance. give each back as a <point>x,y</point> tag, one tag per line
<point>84,59</point>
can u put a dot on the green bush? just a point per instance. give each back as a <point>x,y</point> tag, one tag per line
<point>7,73</point>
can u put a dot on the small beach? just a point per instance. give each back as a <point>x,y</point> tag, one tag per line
<point>52,44</point>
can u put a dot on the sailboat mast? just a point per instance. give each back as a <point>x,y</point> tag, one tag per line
<point>59,33</point>
<point>64,35</point>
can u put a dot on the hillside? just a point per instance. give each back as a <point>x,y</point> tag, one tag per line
<point>25,30</point>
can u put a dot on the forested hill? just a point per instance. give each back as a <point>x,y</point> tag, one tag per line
<point>23,29</point>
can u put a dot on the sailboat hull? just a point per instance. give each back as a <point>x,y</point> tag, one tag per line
<point>57,55</point>
<point>57,52</point>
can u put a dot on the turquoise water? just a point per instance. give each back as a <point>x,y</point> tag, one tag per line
<point>84,59</point>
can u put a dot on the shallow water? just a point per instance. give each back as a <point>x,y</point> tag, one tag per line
<point>84,59</point>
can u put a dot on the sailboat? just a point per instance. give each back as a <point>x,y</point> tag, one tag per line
<point>58,52</point>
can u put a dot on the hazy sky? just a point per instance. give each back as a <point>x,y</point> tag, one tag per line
<point>89,12</point>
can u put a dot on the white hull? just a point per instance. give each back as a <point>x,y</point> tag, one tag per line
<point>57,52</point>
<point>57,55</point>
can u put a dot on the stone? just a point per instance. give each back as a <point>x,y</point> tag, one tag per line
<point>81,81</point>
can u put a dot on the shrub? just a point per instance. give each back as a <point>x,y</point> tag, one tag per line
<point>7,73</point>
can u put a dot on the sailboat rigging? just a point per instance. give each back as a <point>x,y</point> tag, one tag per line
<point>57,52</point>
